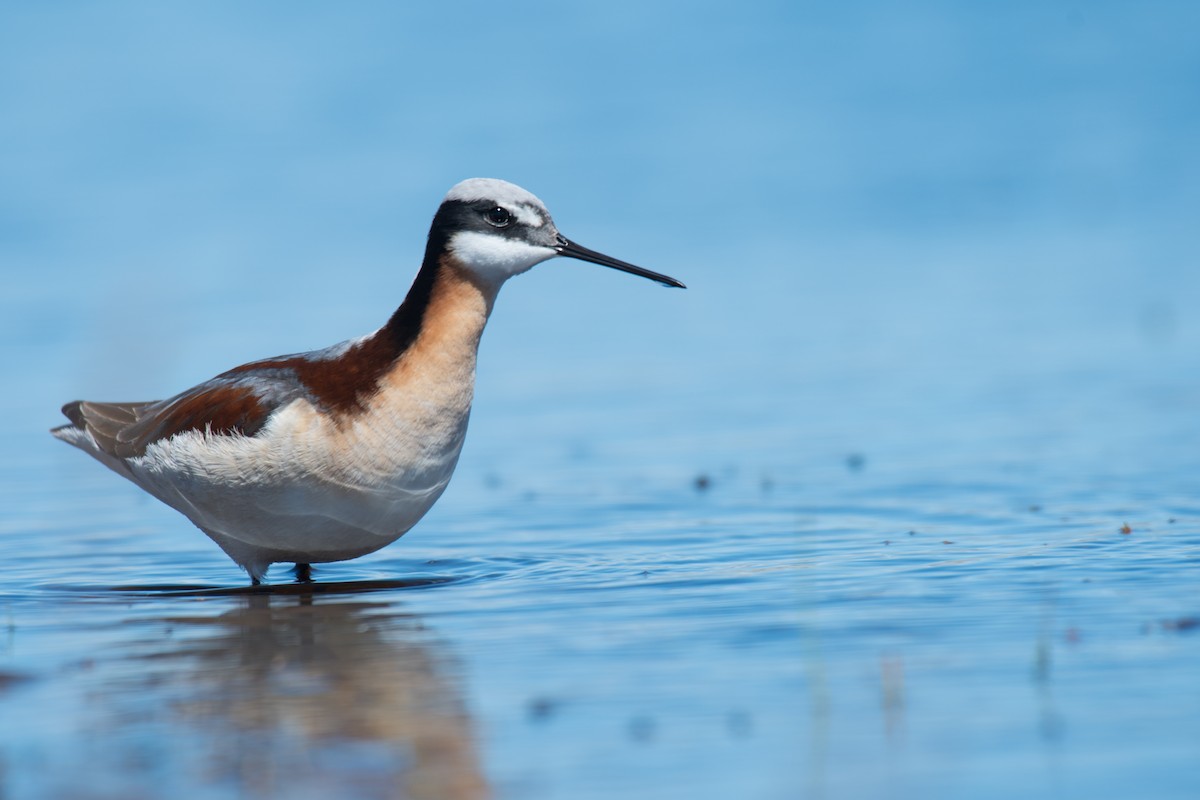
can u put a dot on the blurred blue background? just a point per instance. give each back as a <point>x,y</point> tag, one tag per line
<point>935,182</point>
<point>943,273</point>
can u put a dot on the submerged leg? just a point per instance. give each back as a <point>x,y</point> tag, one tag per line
<point>257,573</point>
<point>304,573</point>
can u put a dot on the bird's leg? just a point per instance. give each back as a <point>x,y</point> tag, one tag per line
<point>303,573</point>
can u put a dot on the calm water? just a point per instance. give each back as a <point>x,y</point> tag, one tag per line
<point>898,499</point>
<point>951,608</point>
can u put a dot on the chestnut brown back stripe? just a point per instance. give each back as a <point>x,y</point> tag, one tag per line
<point>221,409</point>
<point>344,384</point>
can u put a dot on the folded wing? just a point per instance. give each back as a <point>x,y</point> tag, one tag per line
<point>233,403</point>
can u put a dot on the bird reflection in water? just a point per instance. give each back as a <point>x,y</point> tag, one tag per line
<point>295,696</point>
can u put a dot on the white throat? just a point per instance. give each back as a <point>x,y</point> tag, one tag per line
<point>496,258</point>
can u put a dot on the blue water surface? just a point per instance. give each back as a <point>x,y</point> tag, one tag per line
<point>897,499</point>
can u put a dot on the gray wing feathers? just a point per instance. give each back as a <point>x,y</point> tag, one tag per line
<point>109,424</point>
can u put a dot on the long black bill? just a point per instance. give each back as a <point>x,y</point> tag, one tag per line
<point>571,250</point>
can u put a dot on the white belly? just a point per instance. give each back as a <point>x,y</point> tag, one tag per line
<point>304,489</point>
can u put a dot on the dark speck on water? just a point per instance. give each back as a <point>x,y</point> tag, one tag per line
<point>1182,624</point>
<point>542,708</point>
<point>10,679</point>
<point>642,728</point>
<point>740,724</point>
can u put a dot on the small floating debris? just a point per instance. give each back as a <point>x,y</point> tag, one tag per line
<point>541,709</point>
<point>1182,624</point>
<point>702,483</point>
<point>642,729</point>
<point>11,679</point>
<point>740,724</point>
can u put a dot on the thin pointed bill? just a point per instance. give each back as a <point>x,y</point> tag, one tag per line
<point>569,249</point>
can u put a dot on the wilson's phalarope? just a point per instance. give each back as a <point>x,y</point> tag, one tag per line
<point>332,454</point>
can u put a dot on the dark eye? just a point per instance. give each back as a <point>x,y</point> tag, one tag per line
<point>498,216</point>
